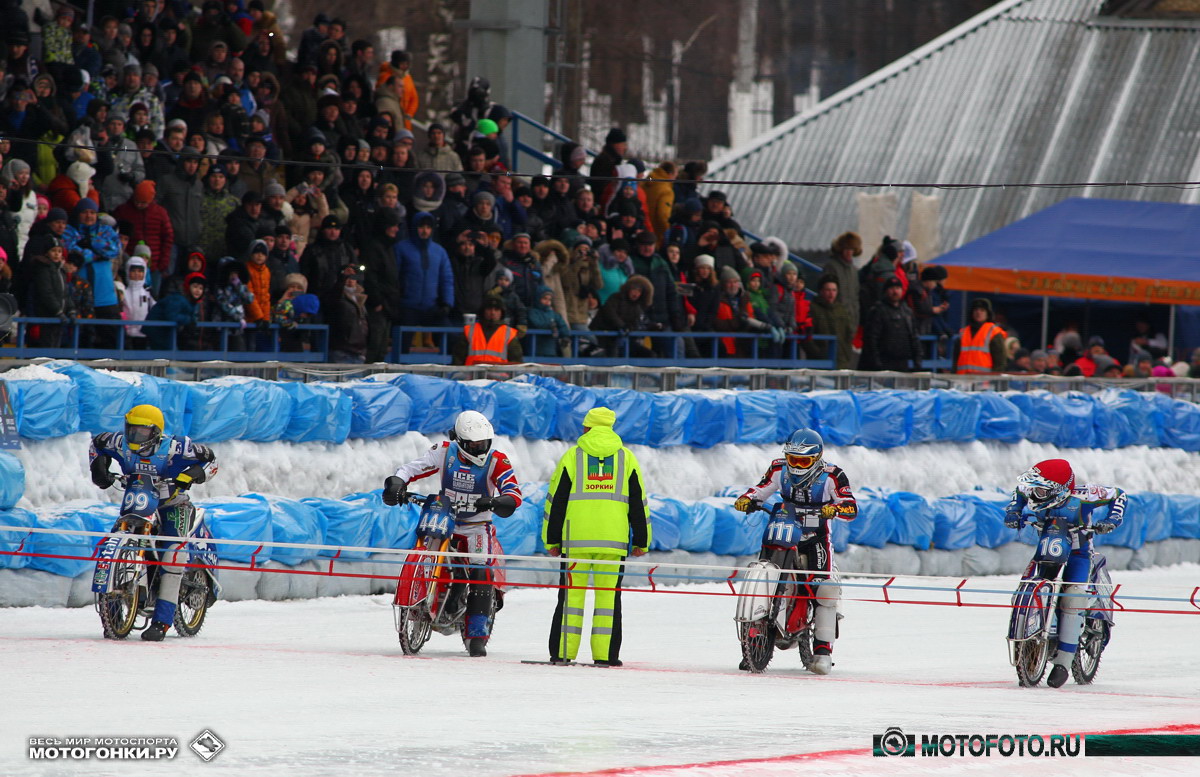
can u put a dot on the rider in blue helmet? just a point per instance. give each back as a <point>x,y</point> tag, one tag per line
<point>818,490</point>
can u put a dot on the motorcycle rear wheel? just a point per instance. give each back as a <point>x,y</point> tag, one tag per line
<point>194,593</point>
<point>1087,655</point>
<point>758,644</point>
<point>1032,657</point>
<point>414,628</point>
<point>119,607</point>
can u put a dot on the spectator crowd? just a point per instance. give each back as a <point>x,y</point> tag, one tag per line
<point>180,164</point>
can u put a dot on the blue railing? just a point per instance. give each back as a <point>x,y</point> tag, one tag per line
<point>76,347</point>
<point>763,353</point>
<point>541,130</point>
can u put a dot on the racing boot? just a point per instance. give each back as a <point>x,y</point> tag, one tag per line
<point>155,632</point>
<point>609,662</point>
<point>1058,676</point>
<point>477,648</point>
<point>822,662</point>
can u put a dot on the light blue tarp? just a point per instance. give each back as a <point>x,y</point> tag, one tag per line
<point>1077,429</point>
<point>714,418</point>
<point>875,523</point>
<point>634,409</point>
<point>886,418</point>
<point>1185,515</point>
<point>957,414</point>
<point>12,480</point>
<point>45,408</point>
<point>240,518</point>
<point>671,422</point>
<point>219,412</point>
<point>378,409</point>
<point>294,521</point>
<point>954,523</point>
<point>436,402</point>
<point>1000,419</point>
<point>521,409</point>
<point>103,398</point>
<point>795,411</point>
<point>520,534</point>
<point>1135,420</point>
<point>696,534</point>
<point>836,416</point>
<point>666,518</point>
<point>11,540</point>
<point>1180,423</point>
<point>320,413</point>
<point>346,523</point>
<point>573,403</point>
<point>734,533</point>
<point>98,518</point>
<point>913,519</point>
<point>1043,410</point>
<point>758,417</point>
<point>395,527</point>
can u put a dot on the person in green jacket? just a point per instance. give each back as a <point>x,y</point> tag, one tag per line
<point>596,515</point>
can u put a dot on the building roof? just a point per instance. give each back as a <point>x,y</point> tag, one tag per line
<point>1030,91</point>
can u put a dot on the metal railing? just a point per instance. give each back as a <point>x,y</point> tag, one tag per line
<point>535,152</point>
<point>78,346</point>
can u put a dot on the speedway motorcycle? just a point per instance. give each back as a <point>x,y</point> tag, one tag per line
<point>125,580</point>
<point>775,608</point>
<point>431,594</point>
<point>1033,625</point>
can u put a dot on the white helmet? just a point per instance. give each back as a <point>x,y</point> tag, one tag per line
<point>473,433</point>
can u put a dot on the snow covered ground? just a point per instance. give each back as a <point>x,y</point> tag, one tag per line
<point>321,688</point>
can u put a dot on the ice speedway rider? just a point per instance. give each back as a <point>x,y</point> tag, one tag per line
<point>1048,488</point>
<point>807,483</point>
<point>479,482</point>
<point>174,464</point>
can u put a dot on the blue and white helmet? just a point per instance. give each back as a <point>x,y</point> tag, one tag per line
<point>802,454</point>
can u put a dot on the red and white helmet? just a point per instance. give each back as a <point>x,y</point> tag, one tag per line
<point>1047,484</point>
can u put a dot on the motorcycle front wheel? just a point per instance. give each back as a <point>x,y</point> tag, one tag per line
<point>758,644</point>
<point>1032,656</point>
<point>119,607</point>
<point>1087,655</point>
<point>414,627</point>
<point>194,594</point>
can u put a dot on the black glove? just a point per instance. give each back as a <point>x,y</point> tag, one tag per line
<point>1104,527</point>
<point>484,503</point>
<point>103,479</point>
<point>394,489</point>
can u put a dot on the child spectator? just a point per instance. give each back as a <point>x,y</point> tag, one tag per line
<point>543,316</point>
<point>138,301</point>
<point>515,312</point>
<point>233,297</point>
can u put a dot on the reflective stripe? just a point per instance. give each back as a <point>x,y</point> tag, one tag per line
<point>573,629</point>
<point>490,350</point>
<point>617,494</point>
<point>574,611</point>
<point>602,611</point>
<point>602,497</point>
<point>595,544</point>
<point>602,630</point>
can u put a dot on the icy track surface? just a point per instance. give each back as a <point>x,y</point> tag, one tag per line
<point>57,469</point>
<point>321,688</point>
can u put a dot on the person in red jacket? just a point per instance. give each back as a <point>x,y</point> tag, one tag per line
<point>151,225</point>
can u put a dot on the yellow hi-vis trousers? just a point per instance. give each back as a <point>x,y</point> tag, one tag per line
<point>566,631</point>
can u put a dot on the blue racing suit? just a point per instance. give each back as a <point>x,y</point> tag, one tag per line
<point>173,467</point>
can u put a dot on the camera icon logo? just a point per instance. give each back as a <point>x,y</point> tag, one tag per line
<point>894,742</point>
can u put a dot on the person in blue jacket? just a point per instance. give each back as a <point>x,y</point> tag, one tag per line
<point>99,246</point>
<point>544,316</point>
<point>428,277</point>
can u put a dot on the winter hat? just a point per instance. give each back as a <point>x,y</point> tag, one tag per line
<point>788,267</point>
<point>890,249</point>
<point>331,222</point>
<point>908,253</point>
<point>16,167</point>
<point>579,154</point>
<point>86,203</point>
<point>982,302</point>
<point>135,261</point>
<point>144,191</point>
<point>484,127</point>
<point>455,179</point>
<point>56,214</point>
<point>403,134</point>
<point>692,206</point>
<point>615,135</point>
<point>142,250</point>
<point>891,281</point>
<point>646,238</point>
<point>484,197</point>
<point>729,274</point>
<point>600,416</point>
<point>258,247</point>
<point>306,304</point>
<point>274,190</point>
<point>1095,340</point>
<point>80,172</point>
<point>195,277</point>
<point>934,273</point>
<point>1162,371</point>
<point>1039,354</point>
<point>704,260</point>
<point>296,279</point>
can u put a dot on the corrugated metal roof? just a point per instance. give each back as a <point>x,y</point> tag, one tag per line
<point>1031,91</point>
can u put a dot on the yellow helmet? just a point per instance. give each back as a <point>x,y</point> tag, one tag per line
<point>143,427</point>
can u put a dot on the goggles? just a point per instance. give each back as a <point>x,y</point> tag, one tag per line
<point>801,461</point>
<point>1042,493</point>
<point>139,434</point>
<point>475,447</point>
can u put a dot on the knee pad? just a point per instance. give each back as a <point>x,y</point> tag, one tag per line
<point>829,592</point>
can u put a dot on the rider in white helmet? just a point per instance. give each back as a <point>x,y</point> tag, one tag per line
<point>480,483</point>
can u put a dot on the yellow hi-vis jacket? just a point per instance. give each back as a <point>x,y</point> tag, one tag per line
<point>597,503</point>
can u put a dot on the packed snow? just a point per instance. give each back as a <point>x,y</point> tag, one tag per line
<point>321,688</point>
<point>57,468</point>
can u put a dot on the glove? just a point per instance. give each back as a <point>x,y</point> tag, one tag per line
<point>745,504</point>
<point>828,511</point>
<point>484,503</point>
<point>1013,520</point>
<point>778,335</point>
<point>1104,527</point>
<point>394,489</point>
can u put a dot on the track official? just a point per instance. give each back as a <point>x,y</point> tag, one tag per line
<point>596,513</point>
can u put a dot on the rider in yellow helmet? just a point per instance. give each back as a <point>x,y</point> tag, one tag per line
<point>173,464</point>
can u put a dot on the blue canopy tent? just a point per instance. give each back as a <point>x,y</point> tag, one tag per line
<point>1114,250</point>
